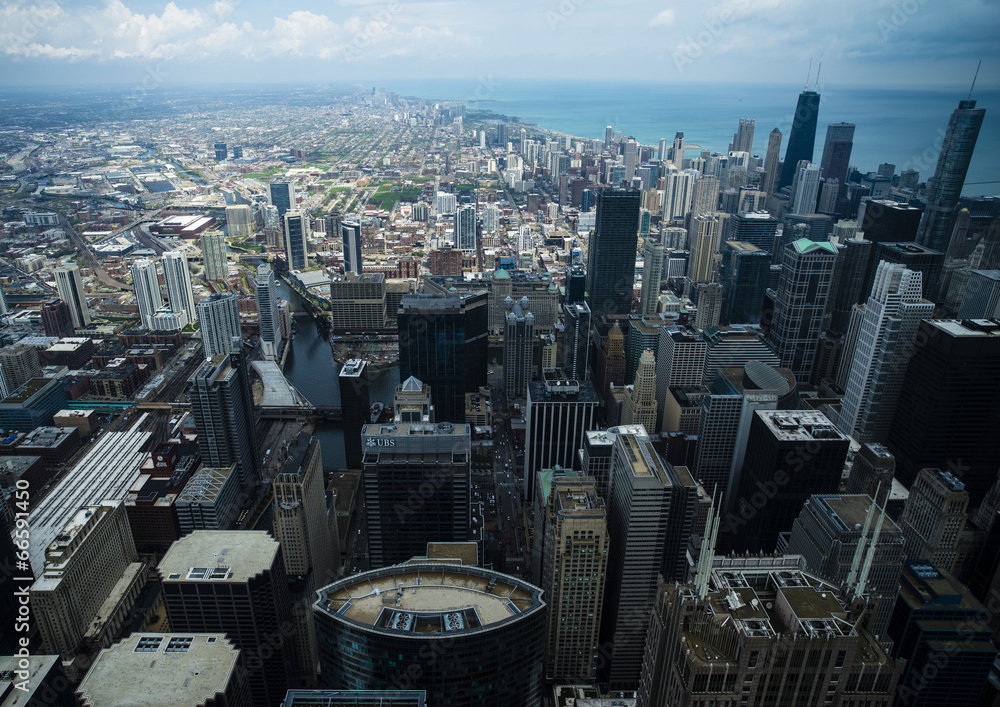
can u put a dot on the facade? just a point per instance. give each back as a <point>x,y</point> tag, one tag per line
<point>703,237</point>
<point>355,401</point>
<point>837,151</point>
<point>934,517</point>
<point>401,460</point>
<point>743,275</point>
<point>872,472</point>
<point>219,315</point>
<point>282,196</point>
<point>213,254</point>
<point>611,252</point>
<point>296,233</point>
<point>680,361</point>
<point>800,305</point>
<point>772,159</point>
<point>486,632</point>
<point>465,228</point>
<point>222,406</point>
<point>147,289</point>
<point>57,320</point>
<point>33,404</point>
<point>234,582</point>
<point>209,500</point>
<point>640,397</point>
<point>239,220</point>
<point>574,349</point>
<point>757,228</point>
<point>267,311</point>
<point>69,284</point>
<point>18,364</point>
<point>718,435</point>
<point>982,296</point>
<point>652,273</point>
<point>518,346</point>
<point>359,303</point>
<point>350,235</point>
<point>929,263</point>
<point>177,669</point>
<point>806,189</point>
<point>802,138</point>
<point>177,275</point>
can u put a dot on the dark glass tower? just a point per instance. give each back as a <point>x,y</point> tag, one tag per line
<point>282,196</point>
<point>837,151</point>
<point>757,228</point>
<point>356,405</point>
<point>611,253</point>
<point>945,188</point>
<point>350,232</point>
<point>743,276</point>
<point>802,138</point>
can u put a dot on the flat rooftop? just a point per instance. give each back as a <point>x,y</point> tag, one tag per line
<point>160,670</point>
<point>430,598</point>
<point>244,553</point>
<point>38,667</point>
<point>853,510</point>
<point>800,425</point>
<point>967,327</point>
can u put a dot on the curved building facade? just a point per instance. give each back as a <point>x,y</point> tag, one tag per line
<point>463,634</point>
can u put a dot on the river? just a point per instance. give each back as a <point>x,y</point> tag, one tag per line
<point>311,369</point>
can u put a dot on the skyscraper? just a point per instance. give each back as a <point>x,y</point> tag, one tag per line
<point>755,227</point>
<point>837,151</point>
<point>802,138</point>
<point>677,152</point>
<point>355,401</point>
<point>296,233</point>
<point>177,276</point>
<point>147,290</point>
<point>704,238</point>
<point>651,514</point>
<point>69,284</point>
<point>611,252</point>
<point>718,431</point>
<point>350,233</point>
<point>771,160</point>
<point>704,194</point>
<point>465,228</point>
<point>573,576</point>
<point>678,194</point>
<point>219,316</point>
<point>652,273</point>
<point>982,296</point>
<point>57,320</point>
<point>934,517</point>
<point>401,463</point>
<point>282,196</point>
<point>944,189</point>
<point>221,153</point>
<point>743,138</point>
<point>213,253</point>
<point>518,343</point>
<point>222,406</point>
<point>640,397</point>
<point>806,190</point>
<point>234,582</point>
<point>575,346</point>
<point>708,296</point>
<point>267,311</point>
<point>885,341</point>
<point>743,275</point>
<point>239,220</point>
<point>803,291</point>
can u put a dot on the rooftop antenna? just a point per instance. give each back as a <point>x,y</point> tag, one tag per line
<point>974,78</point>
<point>809,73</point>
<point>816,85</point>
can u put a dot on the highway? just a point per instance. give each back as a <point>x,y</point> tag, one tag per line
<point>88,254</point>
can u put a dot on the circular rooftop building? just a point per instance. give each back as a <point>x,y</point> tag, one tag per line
<point>464,634</point>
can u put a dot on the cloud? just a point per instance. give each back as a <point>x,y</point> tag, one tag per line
<point>664,18</point>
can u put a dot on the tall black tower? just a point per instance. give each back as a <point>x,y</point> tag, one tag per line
<point>611,253</point>
<point>802,138</point>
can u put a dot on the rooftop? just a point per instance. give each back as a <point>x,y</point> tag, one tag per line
<point>239,554</point>
<point>966,327</point>
<point>800,425</point>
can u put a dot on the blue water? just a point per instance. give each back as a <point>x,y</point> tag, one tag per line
<point>899,126</point>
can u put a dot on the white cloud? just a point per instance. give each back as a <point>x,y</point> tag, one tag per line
<point>664,18</point>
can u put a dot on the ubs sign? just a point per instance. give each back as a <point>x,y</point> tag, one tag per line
<point>380,442</point>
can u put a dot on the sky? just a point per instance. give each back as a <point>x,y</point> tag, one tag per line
<point>875,42</point>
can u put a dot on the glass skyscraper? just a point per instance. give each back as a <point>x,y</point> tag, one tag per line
<point>743,275</point>
<point>802,138</point>
<point>612,250</point>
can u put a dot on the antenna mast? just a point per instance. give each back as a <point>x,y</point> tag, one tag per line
<point>974,78</point>
<point>809,73</point>
<point>816,85</point>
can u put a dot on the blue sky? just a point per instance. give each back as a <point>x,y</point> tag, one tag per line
<point>878,42</point>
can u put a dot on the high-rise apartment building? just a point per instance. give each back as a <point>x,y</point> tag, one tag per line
<point>465,228</point>
<point>177,276</point>
<point>704,194</point>
<point>806,190</point>
<point>945,187</point>
<point>652,273</point>
<point>239,220</point>
<point>213,253</point>
<point>802,138</point>
<point>934,517</point>
<point>574,349</point>
<point>678,194</point>
<point>611,252</point>
<point>296,234</point>
<point>743,138</point>
<point>878,356</point>
<point>837,151</point>
<point>222,406</point>
<point>743,275</point>
<point>282,196</point>
<point>518,345</point>
<point>801,301</point>
<point>234,582</point>
<point>651,515</point>
<point>219,316</point>
<point>350,234</point>
<point>57,320</point>
<point>18,364</point>
<point>573,576</point>
<point>221,153</point>
<point>69,285</point>
<point>640,397</point>
<point>267,311</point>
<point>147,290</point>
<point>401,461</point>
<point>771,161</point>
<point>704,239</point>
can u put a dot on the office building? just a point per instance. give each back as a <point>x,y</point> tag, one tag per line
<point>518,345</point>
<point>772,160</point>
<point>222,406</point>
<point>837,151</point>
<point>574,349</point>
<point>302,521</point>
<point>412,402</point>
<point>640,397</point>
<point>847,288</point>
<point>147,290</point>
<point>234,582</point>
<point>872,473</point>
<point>357,698</point>
<point>485,631</point>
<point>643,333</point>
<point>443,342</point>
<point>267,311</point>
<point>57,320</point>
<point>219,316</point>
<point>359,303</point>
<point>835,534</point>
<point>465,228</point>
<point>651,515</point>
<point>355,402</point>
<point>949,405</point>
<point>92,558</point>
<point>210,500</point>
<point>18,364</point>
<point>221,153</point>
<point>400,461</point>
<point>801,300</point>
<point>791,454</point>
<point>982,296</point>
<point>708,296</point>
<point>573,576</point>
<point>802,138</point>
<point>611,252</point>
<point>934,517</point>
<point>945,187</point>
<point>936,618</point>
<point>732,347</point>
<point>884,221</point>
<point>69,285</point>
<point>34,680</point>
<point>704,239</point>
<point>296,234</point>
<point>239,221</point>
<point>557,414</point>
<point>718,433</point>
<point>168,670</point>
<point>214,256</point>
<point>757,228</point>
<point>680,361</point>
<point>33,404</point>
<point>743,275</point>
<point>877,356</point>
<point>767,633</point>
<point>282,196</point>
<point>350,234</point>
<point>805,191</point>
<point>652,273</point>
